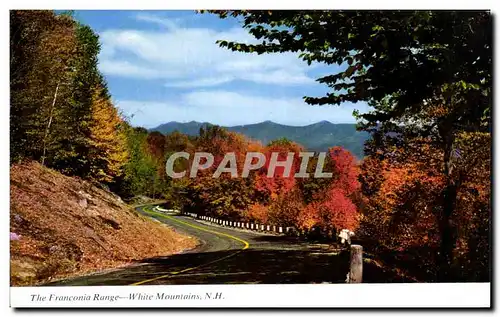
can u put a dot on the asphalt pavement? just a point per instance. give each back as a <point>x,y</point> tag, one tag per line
<point>226,256</point>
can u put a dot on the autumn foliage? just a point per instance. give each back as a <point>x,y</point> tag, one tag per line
<point>266,196</point>
<point>403,204</point>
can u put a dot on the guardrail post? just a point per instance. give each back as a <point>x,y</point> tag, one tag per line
<point>356,266</point>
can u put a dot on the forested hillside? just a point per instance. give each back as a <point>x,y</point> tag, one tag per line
<point>61,113</point>
<point>314,137</point>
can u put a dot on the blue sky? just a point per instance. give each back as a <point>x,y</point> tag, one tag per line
<point>164,66</point>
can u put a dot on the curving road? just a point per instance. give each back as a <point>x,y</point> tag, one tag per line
<point>227,256</point>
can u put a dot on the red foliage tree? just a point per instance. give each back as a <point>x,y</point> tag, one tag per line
<point>333,208</point>
<point>345,170</point>
<point>278,183</point>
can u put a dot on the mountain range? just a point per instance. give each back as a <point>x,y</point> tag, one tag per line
<point>314,137</point>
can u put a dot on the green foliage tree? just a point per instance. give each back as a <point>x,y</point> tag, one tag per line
<point>73,156</point>
<point>140,169</point>
<point>42,54</point>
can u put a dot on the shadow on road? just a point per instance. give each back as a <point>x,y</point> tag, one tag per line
<point>266,267</point>
<point>244,267</point>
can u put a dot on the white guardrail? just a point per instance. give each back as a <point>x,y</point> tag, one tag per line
<point>233,224</point>
<point>345,234</point>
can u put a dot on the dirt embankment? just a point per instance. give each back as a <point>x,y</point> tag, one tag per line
<point>63,226</point>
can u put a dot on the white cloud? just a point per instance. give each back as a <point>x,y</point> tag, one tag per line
<point>167,23</point>
<point>127,69</point>
<point>233,108</point>
<point>202,82</point>
<point>178,54</point>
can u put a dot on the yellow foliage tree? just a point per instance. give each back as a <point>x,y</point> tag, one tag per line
<point>108,153</point>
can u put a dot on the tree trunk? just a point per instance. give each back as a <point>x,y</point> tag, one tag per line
<point>47,129</point>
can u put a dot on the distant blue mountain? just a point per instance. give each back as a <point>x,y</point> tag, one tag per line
<point>315,137</point>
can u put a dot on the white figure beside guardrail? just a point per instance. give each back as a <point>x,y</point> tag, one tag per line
<point>345,236</point>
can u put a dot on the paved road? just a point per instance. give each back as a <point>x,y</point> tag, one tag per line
<point>227,256</point>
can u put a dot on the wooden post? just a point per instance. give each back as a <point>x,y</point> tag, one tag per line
<point>356,266</point>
